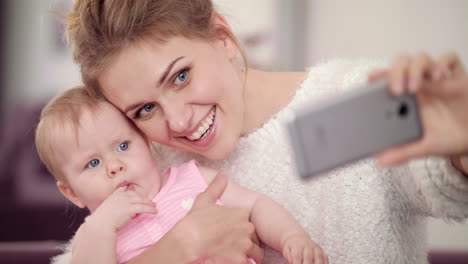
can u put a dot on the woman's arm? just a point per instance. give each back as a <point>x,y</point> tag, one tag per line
<point>208,231</point>
<point>432,186</point>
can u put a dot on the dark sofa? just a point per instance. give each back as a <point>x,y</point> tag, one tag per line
<point>34,217</point>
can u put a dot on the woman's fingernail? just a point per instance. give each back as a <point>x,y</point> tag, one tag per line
<point>446,73</point>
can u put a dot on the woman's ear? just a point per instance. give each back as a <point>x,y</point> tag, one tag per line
<point>225,35</point>
<point>68,192</point>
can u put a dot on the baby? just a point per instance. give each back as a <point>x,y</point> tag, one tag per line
<point>102,162</point>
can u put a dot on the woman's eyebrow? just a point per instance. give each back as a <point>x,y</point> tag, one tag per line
<point>168,70</point>
<point>160,82</point>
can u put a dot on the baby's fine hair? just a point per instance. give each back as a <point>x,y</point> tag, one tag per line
<point>64,110</point>
<point>101,29</point>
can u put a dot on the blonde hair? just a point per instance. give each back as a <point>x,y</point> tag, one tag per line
<point>100,29</point>
<point>63,110</point>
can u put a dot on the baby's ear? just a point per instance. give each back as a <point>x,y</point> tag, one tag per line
<point>68,192</point>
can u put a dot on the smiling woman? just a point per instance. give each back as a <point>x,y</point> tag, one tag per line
<point>172,67</point>
<point>176,94</point>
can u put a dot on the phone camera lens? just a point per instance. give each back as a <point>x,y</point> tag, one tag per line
<point>403,109</point>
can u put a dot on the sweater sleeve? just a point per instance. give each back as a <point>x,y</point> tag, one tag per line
<point>432,186</point>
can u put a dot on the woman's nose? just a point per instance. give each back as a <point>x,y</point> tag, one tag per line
<point>115,167</point>
<point>179,118</point>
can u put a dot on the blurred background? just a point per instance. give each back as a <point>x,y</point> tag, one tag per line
<point>276,34</point>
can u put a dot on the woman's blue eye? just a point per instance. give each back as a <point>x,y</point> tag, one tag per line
<point>146,110</point>
<point>94,163</point>
<point>123,146</point>
<point>181,77</point>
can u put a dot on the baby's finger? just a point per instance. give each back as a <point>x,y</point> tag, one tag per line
<point>148,203</point>
<point>398,75</point>
<point>419,69</point>
<point>121,189</point>
<point>142,209</point>
<point>133,197</point>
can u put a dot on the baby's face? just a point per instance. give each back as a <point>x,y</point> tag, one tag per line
<point>105,154</point>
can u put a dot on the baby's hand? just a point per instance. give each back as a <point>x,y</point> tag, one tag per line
<point>299,249</point>
<point>121,206</point>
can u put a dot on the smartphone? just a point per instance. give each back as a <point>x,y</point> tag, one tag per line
<point>352,126</point>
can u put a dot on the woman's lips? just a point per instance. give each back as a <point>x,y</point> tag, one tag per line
<point>210,134</point>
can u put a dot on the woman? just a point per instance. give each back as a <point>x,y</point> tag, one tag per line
<point>168,64</point>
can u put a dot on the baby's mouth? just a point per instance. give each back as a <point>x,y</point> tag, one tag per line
<point>128,185</point>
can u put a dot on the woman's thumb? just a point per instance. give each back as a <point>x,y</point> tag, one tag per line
<point>213,191</point>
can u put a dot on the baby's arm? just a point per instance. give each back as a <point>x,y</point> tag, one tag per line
<point>96,239</point>
<point>94,243</point>
<point>273,224</point>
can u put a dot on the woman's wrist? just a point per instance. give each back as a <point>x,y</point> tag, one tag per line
<point>460,163</point>
<point>182,237</point>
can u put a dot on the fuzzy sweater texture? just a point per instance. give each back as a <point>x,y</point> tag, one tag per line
<point>358,213</point>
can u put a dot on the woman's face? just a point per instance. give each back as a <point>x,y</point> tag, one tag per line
<point>183,93</point>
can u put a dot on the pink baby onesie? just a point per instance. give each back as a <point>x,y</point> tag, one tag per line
<point>173,202</point>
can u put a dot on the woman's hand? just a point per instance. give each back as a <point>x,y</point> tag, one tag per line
<point>217,234</point>
<point>209,233</point>
<point>441,87</point>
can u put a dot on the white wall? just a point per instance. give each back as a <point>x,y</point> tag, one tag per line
<point>386,28</point>
<point>38,66</point>
<point>382,28</point>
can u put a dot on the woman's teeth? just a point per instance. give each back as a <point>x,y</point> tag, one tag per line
<point>204,127</point>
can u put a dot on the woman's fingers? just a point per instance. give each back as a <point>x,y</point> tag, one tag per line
<point>398,74</point>
<point>212,192</point>
<point>447,65</point>
<point>376,75</point>
<point>400,154</point>
<point>419,70</point>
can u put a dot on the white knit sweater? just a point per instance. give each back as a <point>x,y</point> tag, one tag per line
<point>357,213</point>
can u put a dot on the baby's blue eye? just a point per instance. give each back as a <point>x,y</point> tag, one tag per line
<point>123,146</point>
<point>94,163</point>
<point>181,77</point>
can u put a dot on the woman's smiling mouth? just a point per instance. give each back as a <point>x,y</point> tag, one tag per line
<point>205,126</point>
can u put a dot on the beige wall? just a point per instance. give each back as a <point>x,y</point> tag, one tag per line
<point>386,27</point>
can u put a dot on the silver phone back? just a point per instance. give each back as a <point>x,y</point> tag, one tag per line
<point>352,126</point>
